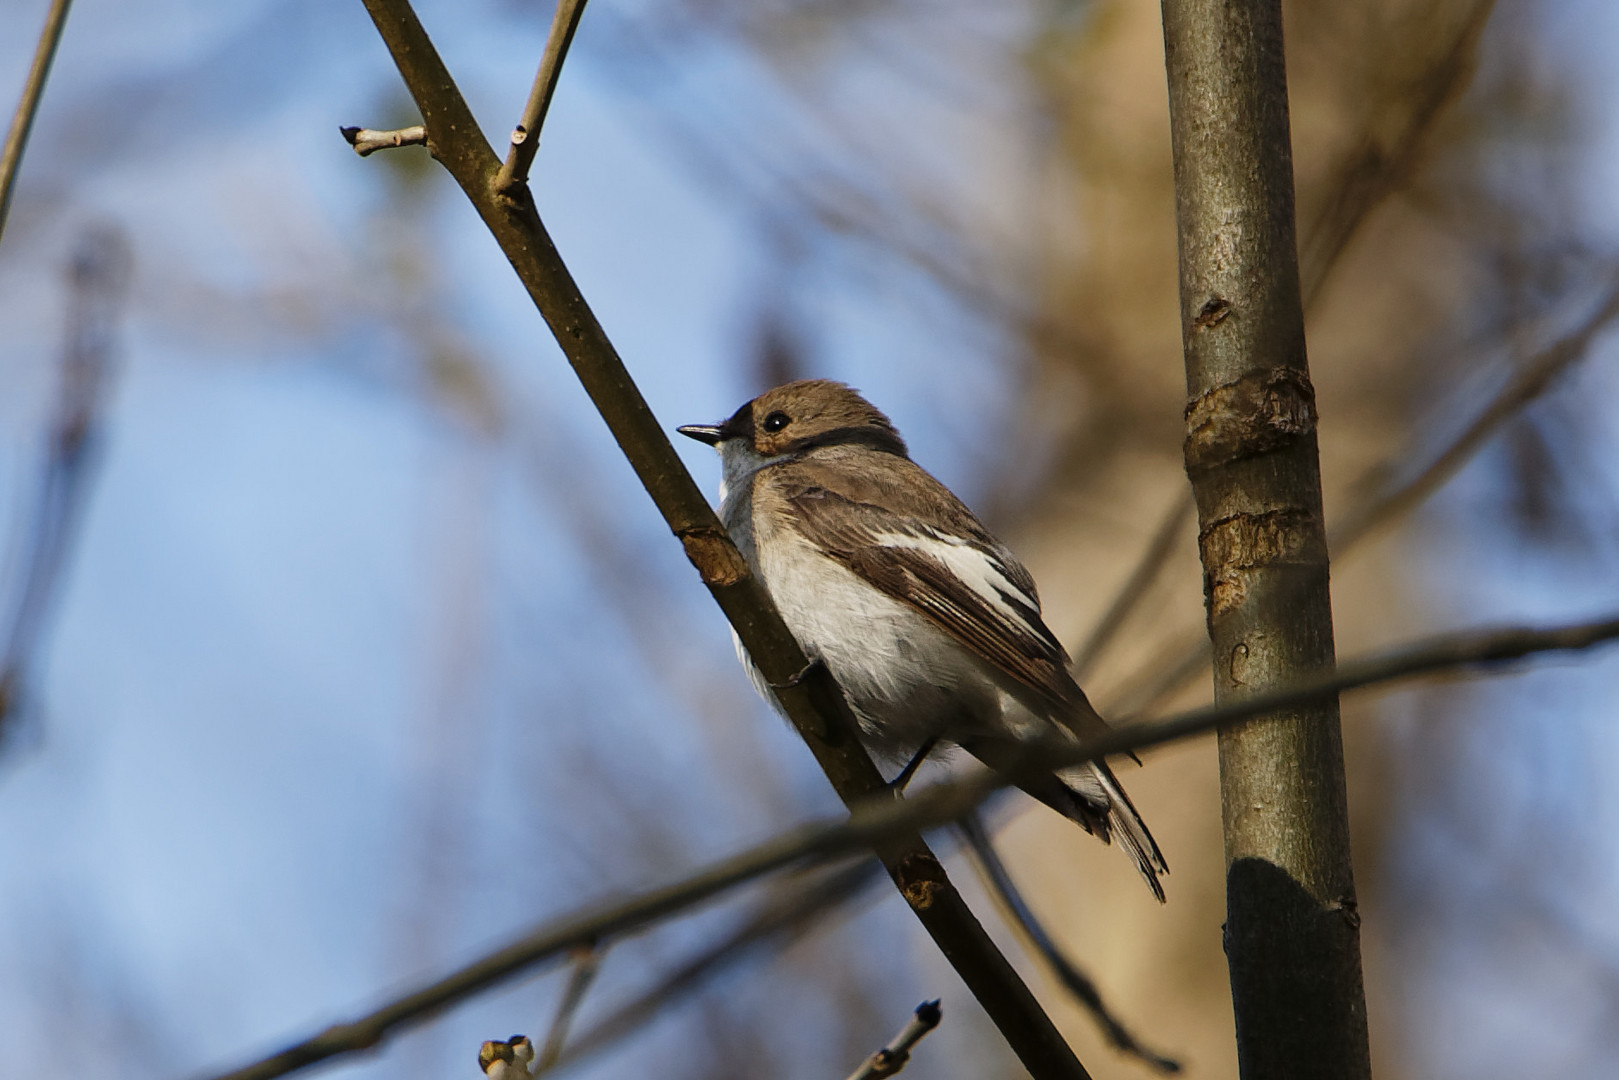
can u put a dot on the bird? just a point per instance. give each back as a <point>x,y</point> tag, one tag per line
<point>930,625</point>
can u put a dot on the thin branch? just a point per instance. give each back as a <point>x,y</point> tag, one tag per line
<point>22,122</point>
<point>97,275</point>
<point>1021,916</point>
<point>778,922</point>
<point>1528,383</point>
<point>809,695</point>
<point>526,135</point>
<point>587,961</point>
<point>1136,585</point>
<point>870,823</point>
<point>1374,174</point>
<point>892,1058</point>
<point>367,141</point>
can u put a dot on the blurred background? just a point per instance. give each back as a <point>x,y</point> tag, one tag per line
<point>341,644</point>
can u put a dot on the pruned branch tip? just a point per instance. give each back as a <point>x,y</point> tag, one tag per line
<point>892,1058</point>
<point>366,141</point>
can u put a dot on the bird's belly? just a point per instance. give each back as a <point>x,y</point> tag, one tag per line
<point>906,679</point>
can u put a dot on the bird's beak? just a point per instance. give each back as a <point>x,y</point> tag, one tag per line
<point>703,433</point>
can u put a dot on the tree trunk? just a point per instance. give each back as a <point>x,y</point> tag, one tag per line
<point>1292,933</point>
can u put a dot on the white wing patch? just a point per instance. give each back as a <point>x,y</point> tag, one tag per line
<point>981,570</point>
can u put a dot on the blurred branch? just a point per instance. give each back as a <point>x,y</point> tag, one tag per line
<point>97,276</point>
<point>22,122</point>
<point>1136,585</point>
<point>587,961</point>
<point>526,136</point>
<point>892,1058</point>
<point>1171,668</point>
<point>1021,916</point>
<point>1373,173</point>
<point>807,693</point>
<point>868,824</point>
<point>777,922</point>
<point>1528,383</point>
<point>367,142</point>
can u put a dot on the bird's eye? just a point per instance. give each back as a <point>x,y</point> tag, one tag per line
<point>776,421</point>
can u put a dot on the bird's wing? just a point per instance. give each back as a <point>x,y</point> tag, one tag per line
<point>955,574</point>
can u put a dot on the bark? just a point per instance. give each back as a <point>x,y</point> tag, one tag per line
<point>1292,932</point>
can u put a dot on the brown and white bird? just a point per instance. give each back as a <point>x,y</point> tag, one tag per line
<point>931,626</point>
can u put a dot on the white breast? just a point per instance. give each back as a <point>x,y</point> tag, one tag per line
<point>902,675</point>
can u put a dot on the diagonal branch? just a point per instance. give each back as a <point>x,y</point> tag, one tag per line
<point>1136,585</point>
<point>23,121</point>
<point>98,276</point>
<point>808,694</point>
<point>1374,173</point>
<point>869,824</point>
<point>587,961</point>
<point>779,921</point>
<point>1022,917</point>
<point>526,135</point>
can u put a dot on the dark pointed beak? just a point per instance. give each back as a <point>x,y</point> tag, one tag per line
<point>703,433</point>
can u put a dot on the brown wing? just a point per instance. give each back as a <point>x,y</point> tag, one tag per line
<point>958,576</point>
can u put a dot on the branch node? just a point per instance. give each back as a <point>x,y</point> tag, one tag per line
<point>367,142</point>
<point>713,554</point>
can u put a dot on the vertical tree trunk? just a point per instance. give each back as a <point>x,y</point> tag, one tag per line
<point>1292,933</point>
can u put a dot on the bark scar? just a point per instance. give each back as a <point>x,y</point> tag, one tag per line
<point>1234,547</point>
<point>1212,313</point>
<point>1258,413</point>
<point>715,557</point>
<point>920,878</point>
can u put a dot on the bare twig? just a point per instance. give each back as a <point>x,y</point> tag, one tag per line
<point>22,122</point>
<point>1021,916</point>
<point>892,1058</point>
<point>526,135</point>
<point>587,961</point>
<point>1373,173</point>
<point>779,921</point>
<point>1528,383</point>
<point>813,703</point>
<point>1136,585</point>
<point>367,141</point>
<point>869,823</point>
<point>98,274</point>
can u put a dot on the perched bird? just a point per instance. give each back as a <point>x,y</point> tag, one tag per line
<point>931,626</point>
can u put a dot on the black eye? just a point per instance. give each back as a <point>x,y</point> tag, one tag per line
<point>776,421</point>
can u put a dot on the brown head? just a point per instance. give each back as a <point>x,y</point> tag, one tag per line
<point>801,416</point>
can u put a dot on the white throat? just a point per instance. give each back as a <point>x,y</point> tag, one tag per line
<point>738,462</point>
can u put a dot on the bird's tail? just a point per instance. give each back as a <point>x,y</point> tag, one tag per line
<point>1091,796</point>
<point>1096,800</point>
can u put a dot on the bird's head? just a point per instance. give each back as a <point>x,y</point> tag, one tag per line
<point>794,419</point>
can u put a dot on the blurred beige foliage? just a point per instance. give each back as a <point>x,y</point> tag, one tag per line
<point>1421,270</point>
